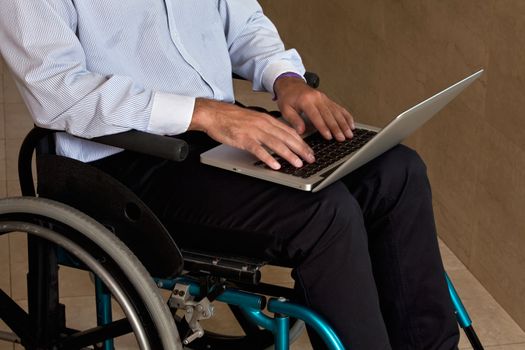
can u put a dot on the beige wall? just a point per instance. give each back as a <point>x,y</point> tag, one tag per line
<point>378,57</point>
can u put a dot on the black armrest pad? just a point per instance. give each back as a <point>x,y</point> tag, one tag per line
<point>166,147</point>
<point>312,79</point>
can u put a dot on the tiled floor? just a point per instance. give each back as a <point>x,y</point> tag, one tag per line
<point>495,328</point>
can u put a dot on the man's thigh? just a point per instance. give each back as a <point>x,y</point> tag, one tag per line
<point>208,208</point>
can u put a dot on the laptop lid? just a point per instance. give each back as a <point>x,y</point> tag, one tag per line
<point>398,129</point>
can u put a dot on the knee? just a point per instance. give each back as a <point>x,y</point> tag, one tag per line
<point>399,169</point>
<point>337,217</point>
<point>404,161</point>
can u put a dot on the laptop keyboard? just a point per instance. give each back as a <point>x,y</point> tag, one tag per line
<point>326,153</point>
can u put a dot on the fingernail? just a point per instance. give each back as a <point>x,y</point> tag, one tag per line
<point>349,134</point>
<point>310,158</point>
<point>328,136</point>
<point>298,163</point>
<point>340,136</point>
<point>276,165</point>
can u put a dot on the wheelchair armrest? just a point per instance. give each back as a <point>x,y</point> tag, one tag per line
<point>166,147</point>
<point>312,79</point>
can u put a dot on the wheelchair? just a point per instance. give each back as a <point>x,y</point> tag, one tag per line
<point>85,219</point>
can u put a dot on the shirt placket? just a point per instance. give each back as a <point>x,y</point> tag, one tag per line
<point>175,38</point>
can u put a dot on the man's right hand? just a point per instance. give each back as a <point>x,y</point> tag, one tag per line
<point>251,131</point>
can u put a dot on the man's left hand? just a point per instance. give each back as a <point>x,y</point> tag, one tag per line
<point>294,97</point>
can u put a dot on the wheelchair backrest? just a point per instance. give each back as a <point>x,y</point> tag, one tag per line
<point>102,197</point>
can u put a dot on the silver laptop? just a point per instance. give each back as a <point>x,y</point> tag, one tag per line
<point>336,159</point>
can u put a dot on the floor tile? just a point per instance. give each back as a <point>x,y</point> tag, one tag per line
<point>492,324</point>
<point>303,343</point>
<point>507,347</point>
<point>5,345</point>
<point>18,260</point>
<point>223,321</point>
<point>75,283</point>
<point>450,261</point>
<point>5,274</point>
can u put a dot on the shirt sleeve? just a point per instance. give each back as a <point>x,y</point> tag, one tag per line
<point>256,49</point>
<point>48,63</point>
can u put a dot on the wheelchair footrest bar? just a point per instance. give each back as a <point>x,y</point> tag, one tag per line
<point>309,317</point>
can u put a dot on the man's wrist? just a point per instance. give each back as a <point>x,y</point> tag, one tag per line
<point>284,76</point>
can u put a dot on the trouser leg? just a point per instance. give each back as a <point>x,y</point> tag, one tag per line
<point>335,278</point>
<point>321,234</point>
<point>395,196</point>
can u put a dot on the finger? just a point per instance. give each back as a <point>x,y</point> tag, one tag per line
<point>263,155</point>
<point>295,143</point>
<point>344,123</point>
<point>279,147</point>
<point>291,132</point>
<point>317,120</point>
<point>331,122</point>
<point>281,139</point>
<point>291,115</point>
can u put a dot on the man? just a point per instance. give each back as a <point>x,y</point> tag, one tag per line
<point>364,250</point>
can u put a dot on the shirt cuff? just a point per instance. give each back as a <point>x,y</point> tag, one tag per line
<point>171,114</point>
<point>275,69</point>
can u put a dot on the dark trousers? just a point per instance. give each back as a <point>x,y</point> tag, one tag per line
<point>364,250</point>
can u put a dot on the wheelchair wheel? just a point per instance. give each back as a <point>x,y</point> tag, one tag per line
<point>108,258</point>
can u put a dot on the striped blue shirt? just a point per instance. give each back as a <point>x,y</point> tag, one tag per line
<point>99,67</point>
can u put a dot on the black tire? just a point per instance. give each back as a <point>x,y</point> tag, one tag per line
<point>106,256</point>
